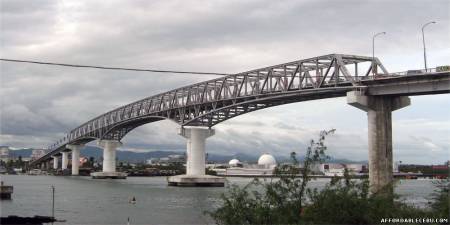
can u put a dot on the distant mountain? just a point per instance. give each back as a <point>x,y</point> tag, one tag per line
<point>136,157</point>
<point>25,153</point>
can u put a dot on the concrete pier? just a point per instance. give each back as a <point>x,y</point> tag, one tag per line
<point>55,162</point>
<point>379,114</point>
<point>109,161</point>
<point>195,165</point>
<point>65,160</point>
<point>75,158</point>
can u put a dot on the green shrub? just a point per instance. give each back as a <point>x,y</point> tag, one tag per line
<point>346,201</point>
<point>280,202</point>
<point>441,201</point>
<point>287,200</point>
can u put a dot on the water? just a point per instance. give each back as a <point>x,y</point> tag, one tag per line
<point>81,200</point>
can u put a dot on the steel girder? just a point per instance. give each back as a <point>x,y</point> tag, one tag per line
<point>211,102</point>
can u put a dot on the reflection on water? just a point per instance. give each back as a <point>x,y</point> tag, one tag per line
<point>81,200</point>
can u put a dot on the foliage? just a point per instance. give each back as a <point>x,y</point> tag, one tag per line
<point>210,172</point>
<point>346,201</point>
<point>287,200</point>
<point>441,200</point>
<point>281,201</point>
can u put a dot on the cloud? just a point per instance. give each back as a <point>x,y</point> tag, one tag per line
<point>40,103</point>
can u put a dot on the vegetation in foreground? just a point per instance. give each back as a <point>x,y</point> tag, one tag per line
<point>287,200</point>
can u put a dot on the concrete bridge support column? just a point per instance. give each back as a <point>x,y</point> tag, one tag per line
<point>65,160</point>
<point>379,113</point>
<point>55,162</point>
<point>195,162</point>
<point>75,158</point>
<point>109,160</point>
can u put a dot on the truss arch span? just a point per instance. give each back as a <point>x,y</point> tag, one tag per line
<point>214,101</point>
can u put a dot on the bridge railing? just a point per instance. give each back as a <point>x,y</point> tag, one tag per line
<point>437,69</point>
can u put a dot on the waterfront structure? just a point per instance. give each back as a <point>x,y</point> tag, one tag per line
<point>199,107</point>
<point>265,167</point>
<point>4,153</point>
<point>235,163</point>
<point>109,161</point>
<point>195,165</point>
<point>37,153</point>
<point>267,161</point>
<point>338,169</point>
<point>5,191</point>
<point>170,159</point>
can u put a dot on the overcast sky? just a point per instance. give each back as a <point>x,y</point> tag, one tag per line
<point>41,103</point>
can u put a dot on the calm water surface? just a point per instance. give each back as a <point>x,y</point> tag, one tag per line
<point>81,200</point>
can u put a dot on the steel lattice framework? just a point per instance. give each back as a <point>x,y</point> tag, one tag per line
<point>211,102</point>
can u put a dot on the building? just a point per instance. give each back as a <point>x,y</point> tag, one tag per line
<point>170,159</point>
<point>338,169</point>
<point>265,167</point>
<point>37,153</point>
<point>4,153</point>
<point>152,161</point>
<point>395,167</point>
<point>234,163</point>
<point>267,161</point>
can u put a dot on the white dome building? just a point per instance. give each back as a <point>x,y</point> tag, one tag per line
<point>234,162</point>
<point>266,160</point>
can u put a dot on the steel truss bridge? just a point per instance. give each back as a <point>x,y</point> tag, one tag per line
<point>214,101</point>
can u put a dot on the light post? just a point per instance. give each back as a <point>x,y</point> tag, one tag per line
<point>424,48</point>
<point>373,51</point>
<point>53,203</point>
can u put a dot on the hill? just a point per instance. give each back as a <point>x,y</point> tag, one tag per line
<point>136,157</point>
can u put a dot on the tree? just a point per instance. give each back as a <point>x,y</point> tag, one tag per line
<point>342,201</point>
<point>281,201</point>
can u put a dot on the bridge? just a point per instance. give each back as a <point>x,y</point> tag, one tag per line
<point>198,107</point>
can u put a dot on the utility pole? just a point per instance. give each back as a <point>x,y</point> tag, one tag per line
<point>53,203</point>
<point>424,48</point>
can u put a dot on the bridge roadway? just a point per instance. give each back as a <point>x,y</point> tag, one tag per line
<point>198,107</point>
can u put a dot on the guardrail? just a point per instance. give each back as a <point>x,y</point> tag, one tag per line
<point>438,69</point>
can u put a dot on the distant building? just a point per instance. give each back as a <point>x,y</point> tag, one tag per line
<point>37,153</point>
<point>265,167</point>
<point>396,166</point>
<point>152,161</point>
<point>171,159</point>
<point>267,161</point>
<point>338,169</point>
<point>4,153</point>
<point>235,163</point>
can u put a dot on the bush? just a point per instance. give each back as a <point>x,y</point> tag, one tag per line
<point>346,201</point>
<point>287,200</point>
<point>441,201</point>
<point>280,202</point>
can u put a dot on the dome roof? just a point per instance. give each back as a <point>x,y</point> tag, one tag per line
<point>267,159</point>
<point>233,162</point>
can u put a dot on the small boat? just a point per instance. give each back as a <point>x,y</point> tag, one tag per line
<point>133,200</point>
<point>5,191</point>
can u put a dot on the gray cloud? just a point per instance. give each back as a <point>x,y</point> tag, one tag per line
<point>39,104</point>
